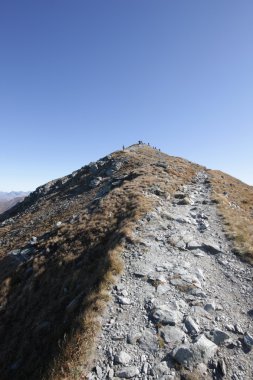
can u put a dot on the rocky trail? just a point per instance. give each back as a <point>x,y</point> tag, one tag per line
<point>184,302</point>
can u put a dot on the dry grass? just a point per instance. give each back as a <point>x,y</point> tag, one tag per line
<point>235,204</point>
<point>53,303</point>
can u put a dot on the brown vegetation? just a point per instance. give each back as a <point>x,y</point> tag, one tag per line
<point>235,204</point>
<point>51,305</point>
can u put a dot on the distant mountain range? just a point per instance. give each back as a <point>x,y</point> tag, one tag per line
<point>9,199</point>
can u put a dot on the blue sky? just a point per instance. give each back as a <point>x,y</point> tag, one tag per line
<point>80,78</point>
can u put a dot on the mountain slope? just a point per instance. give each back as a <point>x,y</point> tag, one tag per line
<point>60,253</point>
<point>144,221</point>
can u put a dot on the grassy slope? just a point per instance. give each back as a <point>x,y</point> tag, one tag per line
<point>235,205</point>
<point>50,305</point>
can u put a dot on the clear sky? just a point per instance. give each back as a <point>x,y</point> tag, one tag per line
<point>79,78</point>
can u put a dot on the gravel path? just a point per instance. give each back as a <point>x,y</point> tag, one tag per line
<point>184,300</point>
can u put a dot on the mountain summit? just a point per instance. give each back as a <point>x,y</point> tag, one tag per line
<point>128,268</point>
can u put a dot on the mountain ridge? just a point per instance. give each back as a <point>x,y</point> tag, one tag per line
<point>63,249</point>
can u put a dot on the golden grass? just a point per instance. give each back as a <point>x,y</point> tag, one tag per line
<point>235,204</point>
<point>52,304</point>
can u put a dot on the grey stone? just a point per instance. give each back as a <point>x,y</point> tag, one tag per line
<point>186,282</point>
<point>199,274</point>
<point>185,201</point>
<point>93,168</point>
<point>238,329</point>
<point>203,225</point>
<point>110,373</point>
<point>142,273</point>
<point>231,328</point>
<point>183,220</point>
<point>148,341</point>
<point>99,372</point>
<point>191,325</point>
<point>145,368</point>
<point>124,301</point>
<point>33,240</point>
<point>162,369</point>
<point>165,315</point>
<point>211,247</point>
<point>203,349</point>
<point>222,367</point>
<point>201,215</point>
<point>210,307</point>
<point>198,312</point>
<point>250,313</point>
<point>197,293</point>
<point>202,370</point>
<point>179,282</point>
<point>198,254</point>
<point>218,336</point>
<point>128,372</point>
<point>122,358</point>
<point>248,340</point>
<point>163,289</point>
<point>193,245</point>
<point>95,182</point>
<point>179,195</point>
<point>183,355</point>
<point>133,338</point>
<point>176,241</point>
<point>172,335</point>
<point>158,278</point>
<point>119,287</point>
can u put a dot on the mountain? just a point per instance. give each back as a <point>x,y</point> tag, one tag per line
<point>129,267</point>
<point>7,196</point>
<point>9,199</point>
